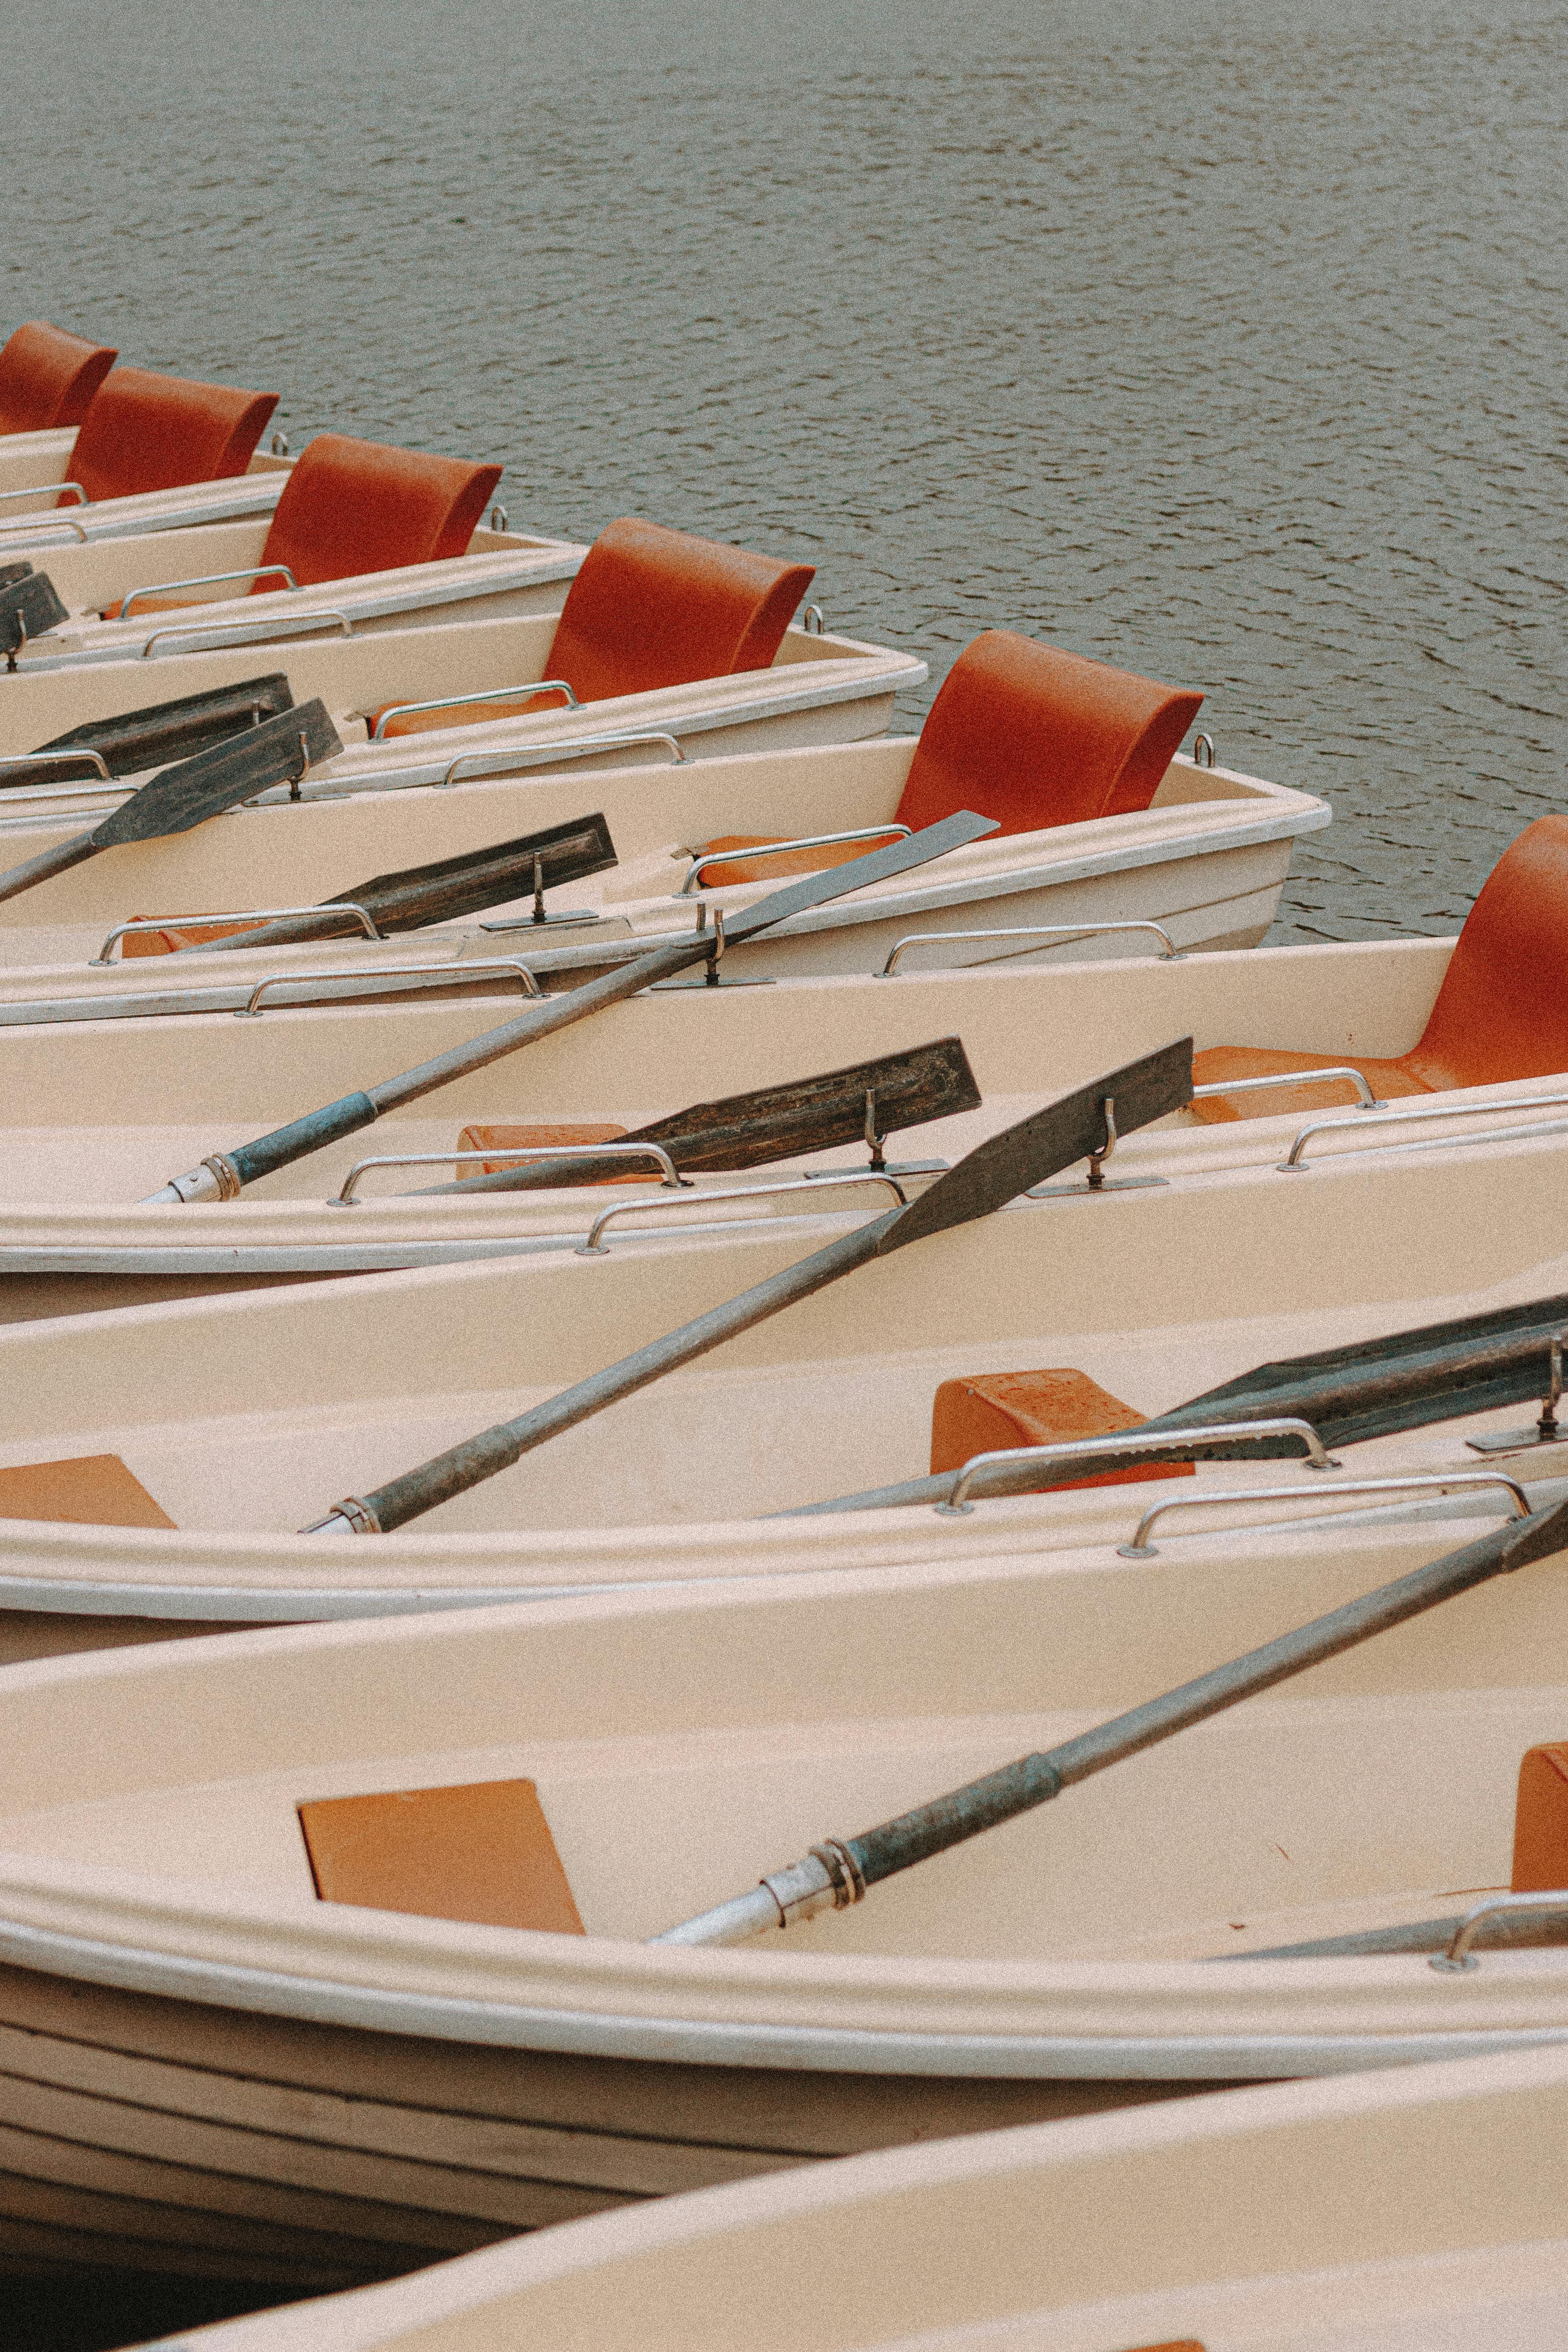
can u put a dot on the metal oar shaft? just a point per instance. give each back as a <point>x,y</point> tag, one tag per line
<point>46,864</point>
<point>839,1871</point>
<point>479,1458</point>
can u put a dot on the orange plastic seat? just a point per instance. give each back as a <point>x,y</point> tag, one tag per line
<point>47,377</point>
<point>991,1412</point>
<point>1540,1822</point>
<point>1036,737</point>
<point>652,608</point>
<point>145,432</point>
<point>483,1853</point>
<point>361,505</point>
<point>1502,1012</point>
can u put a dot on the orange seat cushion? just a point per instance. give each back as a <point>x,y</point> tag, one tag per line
<point>1502,1013</point>
<point>482,1852</point>
<point>991,1412</point>
<point>47,377</point>
<point>776,869</point>
<point>652,608</point>
<point>1036,737</point>
<point>1541,1821</point>
<point>351,506</point>
<point>145,432</point>
<point>93,1490</point>
<point>534,1138</point>
<point>195,934</point>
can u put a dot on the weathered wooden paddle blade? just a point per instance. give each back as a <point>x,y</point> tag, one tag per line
<point>277,751</point>
<point>451,887</point>
<point>910,1089</point>
<point>223,1174</point>
<point>1048,1141</point>
<point>1035,1148</point>
<point>11,573</point>
<point>134,740</point>
<point>878,866</point>
<point>1405,1379</point>
<point>28,607</point>
<point>839,1871</point>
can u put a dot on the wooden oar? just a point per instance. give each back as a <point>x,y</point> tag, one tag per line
<point>133,739</point>
<point>449,888</point>
<point>1407,1379</point>
<point>995,1173</point>
<point>279,751</point>
<point>28,606</point>
<point>838,1872</point>
<point>870,1098</point>
<point>224,1174</point>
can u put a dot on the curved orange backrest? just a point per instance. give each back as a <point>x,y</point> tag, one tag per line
<point>1502,1010</point>
<point>652,608</point>
<point>146,432</point>
<point>1035,737</point>
<point>359,506</point>
<point>47,377</point>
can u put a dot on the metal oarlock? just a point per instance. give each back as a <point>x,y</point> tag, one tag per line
<point>1545,1430</point>
<point>217,1178</point>
<point>348,1517</point>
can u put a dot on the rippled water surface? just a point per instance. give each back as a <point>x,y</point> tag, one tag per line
<point>1223,341</point>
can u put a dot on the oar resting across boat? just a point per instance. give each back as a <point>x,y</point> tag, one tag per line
<point>1374,1388</point>
<point>223,1175</point>
<point>1074,1127</point>
<point>279,751</point>
<point>838,1872</point>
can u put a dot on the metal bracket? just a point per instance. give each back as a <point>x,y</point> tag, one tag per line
<point>243,915</point>
<point>593,1247</point>
<point>1200,744</point>
<point>670,1175</point>
<point>1180,1442</point>
<point>450,972</point>
<point>1459,1482</point>
<point>1545,1431</point>
<point>1169,951</point>
<point>1095,1183</point>
<point>1460,1956</point>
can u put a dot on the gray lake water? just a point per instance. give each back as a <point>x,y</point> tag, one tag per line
<point>1222,341</point>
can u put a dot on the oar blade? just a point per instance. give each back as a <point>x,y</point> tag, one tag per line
<point>28,607</point>
<point>878,866</point>
<point>773,1123</point>
<point>1046,1142</point>
<point>276,752</point>
<point>133,739</point>
<point>451,887</point>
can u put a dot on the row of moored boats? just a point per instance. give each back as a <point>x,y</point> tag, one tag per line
<point>724,1308</point>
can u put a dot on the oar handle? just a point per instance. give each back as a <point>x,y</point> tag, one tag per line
<point>839,1871</point>
<point>47,862</point>
<point>479,1458</point>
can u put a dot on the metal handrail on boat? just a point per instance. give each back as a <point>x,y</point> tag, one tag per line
<point>1368,1101</point>
<point>457,702</point>
<point>1294,1164</point>
<point>1169,951</point>
<point>57,759</point>
<point>205,579</point>
<point>1460,1956</point>
<point>541,755</point>
<point>779,848</point>
<point>261,632</point>
<point>449,974</point>
<point>242,915</point>
<point>1179,1442</point>
<point>670,1175</point>
<point>593,1247</point>
<point>1453,1482</point>
<point>37,491</point>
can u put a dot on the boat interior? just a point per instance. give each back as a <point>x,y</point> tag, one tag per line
<point>258,1412</point>
<point>627,1764</point>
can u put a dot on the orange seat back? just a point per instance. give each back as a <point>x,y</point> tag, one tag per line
<point>47,377</point>
<point>652,608</point>
<point>145,432</point>
<point>1036,737</point>
<point>1502,1010</point>
<point>1541,1821</point>
<point>360,505</point>
<point>991,1412</point>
